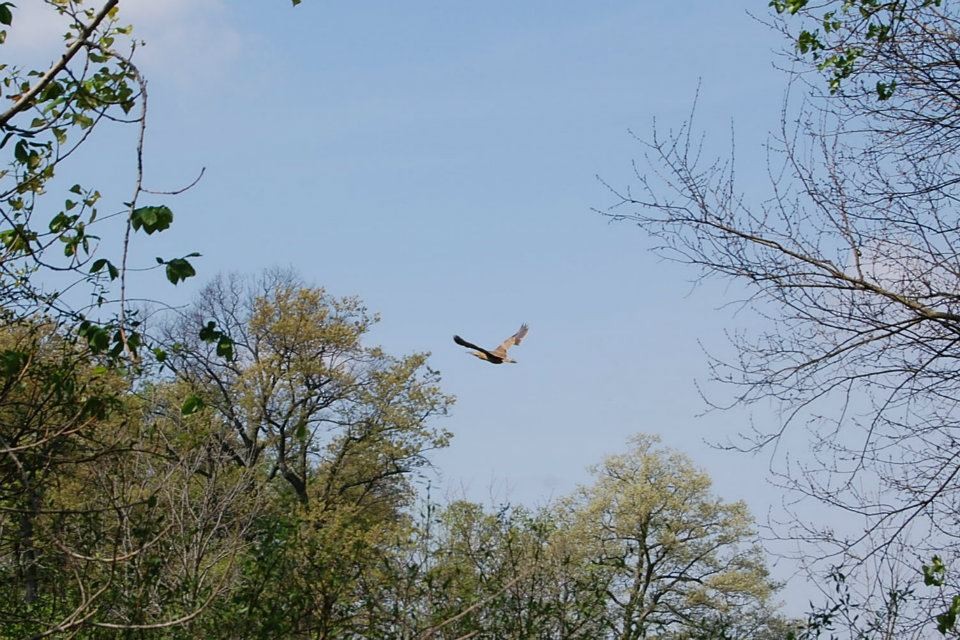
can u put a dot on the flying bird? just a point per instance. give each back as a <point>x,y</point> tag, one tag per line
<point>498,355</point>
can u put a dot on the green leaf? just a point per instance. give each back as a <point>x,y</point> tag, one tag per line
<point>947,620</point>
<point>934,573</point>
<point>160,355</point>
<point>98,266</point>
<point>83,121</point>
<point>179,270</point>
<point>225,347</point>
<point>191,405</point>
<point>12,362</point>
<point>209,332</point>
<point>885,90</point>
<point>97,337</point>
<point>20,152</point>
<point>61,222</point>
<point>301,431</point>
<point>95,406</point>
<point>808,42</point>
<point>52,91</point>
<point>792,6</point>
<point>117,347</point>
<point>18,239</point>
<point>6,16</point>
<point>151,219</point>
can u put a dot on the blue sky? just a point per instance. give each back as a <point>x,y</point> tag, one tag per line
<point>438,159</point>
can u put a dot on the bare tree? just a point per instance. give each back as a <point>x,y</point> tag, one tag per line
<point>853,260</point>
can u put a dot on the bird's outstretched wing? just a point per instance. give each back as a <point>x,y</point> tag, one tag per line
<point>512,340</point>
<point>469,345</point>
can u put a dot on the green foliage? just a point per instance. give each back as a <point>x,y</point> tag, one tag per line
<point>91,523</point>
<point>12,363</point>
<point>885,90</point>
<point>209,333</point>
<point>333,431</point>
<point>935,575</point>
<point>51,112</point>
<point>853,33</point>
<point>151,219</point>
<point>300,517</point>
<point>582,568</point>
<point>99,264</point>
<point>284,510</point>
<point>947,621</point>
<point>670,552</point>
<point>264,485</point>
<point>54,401</point>
<point>178,269</point>
<point>191,405</point>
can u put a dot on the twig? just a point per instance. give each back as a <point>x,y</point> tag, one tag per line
<point>176,192</point>
<point>138,187</point>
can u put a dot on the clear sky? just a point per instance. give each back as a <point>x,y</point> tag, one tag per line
<point>438,159</point>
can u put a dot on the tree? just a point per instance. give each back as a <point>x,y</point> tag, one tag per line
<point>300,393</point>
<point>872,47</point>
<point>103,524</point>
<point>506,573</point>
<point>58,393</point>
<point>332,429</point>
<point>853,259</point>
<point>673,558</point>
<point>53,113</point>
<point>645,551</point>
<point>50,394</point>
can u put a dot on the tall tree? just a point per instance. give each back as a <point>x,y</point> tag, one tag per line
<point>853,258</point>
<point>102,525</point>
<point>674,558</point>
<point>335,428</point>
<point>644,551</point>
<point>299,392</point>
<point>52,402</point>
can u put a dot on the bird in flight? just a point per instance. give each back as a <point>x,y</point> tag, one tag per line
<point>498,355</point>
